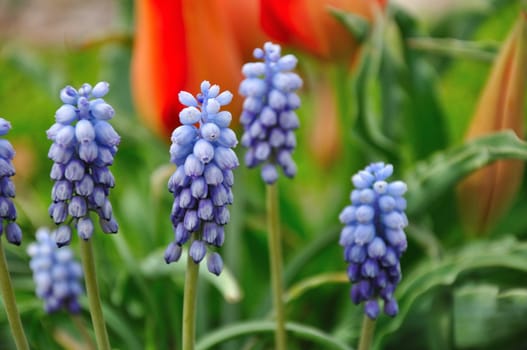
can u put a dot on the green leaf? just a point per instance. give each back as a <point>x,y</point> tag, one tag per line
<point>355,24</point>
<point>154,266</point>
<point>481,51</point>
<point>313,282</point>
<point>424,120</point>
<point>433,177</point>
<point>483,315</point>
<point>369,121</point>
<point>507,253</point>
<point>251,328</point>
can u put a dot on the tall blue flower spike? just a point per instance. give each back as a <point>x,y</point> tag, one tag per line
<point>84,145</point>
<point>373,238</point>
<point>202,183</point>
<point>56,273</point>
<point>8,225</point>
<point>268,116</point>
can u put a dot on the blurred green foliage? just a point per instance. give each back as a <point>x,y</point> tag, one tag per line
<point>405,105</point>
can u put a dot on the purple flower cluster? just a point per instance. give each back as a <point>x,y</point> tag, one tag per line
<point>56,273</point>
<point>268,116</point>
<point>7,189</point>
<point>201,185</point>
<point>84,144</point>
<point>373,238</point>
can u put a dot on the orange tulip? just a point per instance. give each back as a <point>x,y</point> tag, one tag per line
<point>487,193</point>
<point>309,26</point>
<point>179,43</point>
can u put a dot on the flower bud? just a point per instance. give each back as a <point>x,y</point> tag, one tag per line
<point>488,192</point>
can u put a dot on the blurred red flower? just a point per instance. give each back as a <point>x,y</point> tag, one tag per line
<point>308,25</point>
<point>179,43</point>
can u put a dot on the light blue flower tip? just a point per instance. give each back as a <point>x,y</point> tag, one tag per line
<point>5,126</point>
<point>100,89</point>
<point>187,99</point>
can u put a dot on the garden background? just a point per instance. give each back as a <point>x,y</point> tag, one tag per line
<point>408,100</point>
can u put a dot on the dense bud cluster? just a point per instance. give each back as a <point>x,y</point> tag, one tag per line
<point>84,145</point>
<point>201,185</point>
<point>373,238</point>
<point>7,189</point>
<point>268,116</point>
<point>56,273</point>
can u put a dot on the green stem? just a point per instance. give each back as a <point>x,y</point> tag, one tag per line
<point>10,304</point>
<point>366,335</point>
<point>94,300</point>
<point>189,304</point>
<point>275,257</point>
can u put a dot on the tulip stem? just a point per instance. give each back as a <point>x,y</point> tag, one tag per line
<point>275,257</point>
<point>94,300</point>
<point>189,305</point>
<point>366,335</point>
<point>11,309</point>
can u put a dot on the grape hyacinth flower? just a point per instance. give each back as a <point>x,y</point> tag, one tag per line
<point>8,225</point>
<point>56,273</point>
<point>84,145</point>
<point>201,185</point>
<point>373,238</point>
<point>268,116</point>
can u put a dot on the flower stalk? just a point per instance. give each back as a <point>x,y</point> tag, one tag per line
<point>189,304</point>
<point>366,335</point>
<point>275,258</point>
<point>94,300</point>
<point>11,309</point>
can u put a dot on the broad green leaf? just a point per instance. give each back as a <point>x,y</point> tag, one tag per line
<point>506,253</point>
<point>313,282</point>
<point>154,266</point>
<point>483,315</point>
<point>250,328</point>
<point>424,121</point>
<point>369,123</point>
<point>433,177</point>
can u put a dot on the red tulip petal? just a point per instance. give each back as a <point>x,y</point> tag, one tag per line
<point>159,62</point>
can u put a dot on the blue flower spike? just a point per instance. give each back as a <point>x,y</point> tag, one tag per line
<point>8,214</point>
<point>56,273</point>
<point>84,146</point>
<point>268,116</point>
<point>373,238</point>
<point>202,183</point>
